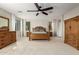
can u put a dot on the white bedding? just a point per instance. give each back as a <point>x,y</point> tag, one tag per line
<point>39,32</point>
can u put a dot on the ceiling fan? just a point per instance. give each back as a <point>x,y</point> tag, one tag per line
<point>39,8</point>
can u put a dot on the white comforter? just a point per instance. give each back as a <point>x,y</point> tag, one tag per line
<point>39,32</point>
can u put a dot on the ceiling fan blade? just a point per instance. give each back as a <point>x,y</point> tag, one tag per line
<point>32,10</point>
<point>37,14</point>
<point>49,8</point>
<point>38,7</point>
<point>45,13</point>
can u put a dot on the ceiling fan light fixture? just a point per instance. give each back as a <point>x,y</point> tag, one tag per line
<point>40,9</point>
<point>37,14</point>
<point>19,11</point>
<point>50,11</point>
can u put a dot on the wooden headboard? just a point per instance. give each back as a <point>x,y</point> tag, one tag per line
<point>39,29</point>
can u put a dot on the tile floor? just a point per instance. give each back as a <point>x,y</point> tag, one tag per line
<point>39,47</point>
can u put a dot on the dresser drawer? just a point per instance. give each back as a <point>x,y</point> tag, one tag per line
<point>3,33</point>
<point>4,37</point>
<point>12,35</point>
<point>12,40</point>
<point>3,44</point>
<point>7,38</point>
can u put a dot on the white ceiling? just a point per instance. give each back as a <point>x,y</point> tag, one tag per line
<point>59,9</point>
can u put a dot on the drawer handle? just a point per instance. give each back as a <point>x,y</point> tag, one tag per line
<point>70,27</point>
<point>11,40</point>
<point>2,36</point>
<point>2,40</point>
<point>2,43</point>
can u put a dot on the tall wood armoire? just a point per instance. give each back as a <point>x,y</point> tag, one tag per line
<point>72,32</point>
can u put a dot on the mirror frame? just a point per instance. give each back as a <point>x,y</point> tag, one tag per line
<point>5,19</point>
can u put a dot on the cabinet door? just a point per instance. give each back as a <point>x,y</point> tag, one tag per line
<point>66,38</point>
<point>72,32</point>
<point>67,26</point>
<point>67,30</point>
<point>74,27</point>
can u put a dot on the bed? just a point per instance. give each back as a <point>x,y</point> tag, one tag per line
<point>39,32</point>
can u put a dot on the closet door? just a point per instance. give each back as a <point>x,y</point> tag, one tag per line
<point>72,35</point>
<point>68,26</point>
<point>74,29</point>
<point>67,30</point>
<point>72,32</point>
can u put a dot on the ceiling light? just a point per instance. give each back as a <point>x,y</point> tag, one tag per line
<point>19,11</point>
<point>50,11</point>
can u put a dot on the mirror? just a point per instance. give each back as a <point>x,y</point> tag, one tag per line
<point>4,23</point>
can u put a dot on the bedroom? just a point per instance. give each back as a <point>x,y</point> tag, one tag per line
<point>19,17</point>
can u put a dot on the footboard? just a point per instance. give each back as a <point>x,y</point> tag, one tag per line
<point>39,36</point>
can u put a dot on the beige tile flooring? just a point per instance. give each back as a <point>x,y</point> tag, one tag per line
<point>23,46</point>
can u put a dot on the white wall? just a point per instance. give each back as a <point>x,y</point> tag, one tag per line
<point>6,14</point>
<point>59,28</point>
<point>39,22</point>
<point>12,23</point>
<point>72,13</point>
<point>44,21</point>
<point>11,17</point>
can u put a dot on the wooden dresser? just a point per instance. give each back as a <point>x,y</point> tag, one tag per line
<point>7,37</point>
<point>72,32</point>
